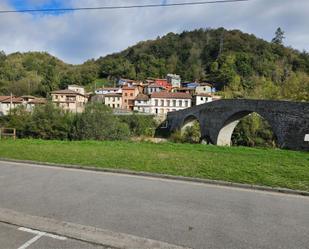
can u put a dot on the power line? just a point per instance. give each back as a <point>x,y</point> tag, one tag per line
<point>121,7</point>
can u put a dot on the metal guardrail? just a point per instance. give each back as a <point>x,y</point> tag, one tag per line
<point>7,132</point>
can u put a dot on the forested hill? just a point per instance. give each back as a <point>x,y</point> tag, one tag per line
<point>240,64</point>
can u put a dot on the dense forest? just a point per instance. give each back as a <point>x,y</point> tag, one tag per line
<point>239,64</point>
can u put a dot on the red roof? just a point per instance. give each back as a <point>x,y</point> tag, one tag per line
<point>66,92</point>
<point>2,98</point>
<point>171,95</point>
<point>13,100</point>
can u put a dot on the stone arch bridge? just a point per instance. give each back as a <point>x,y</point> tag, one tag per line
<point>289,120</point>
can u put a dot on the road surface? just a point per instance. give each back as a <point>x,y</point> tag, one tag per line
<point>189,214</point>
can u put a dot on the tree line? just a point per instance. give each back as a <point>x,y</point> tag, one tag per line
<point>97,122</point>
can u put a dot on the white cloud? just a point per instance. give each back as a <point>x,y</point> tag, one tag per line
<point>78,36</point>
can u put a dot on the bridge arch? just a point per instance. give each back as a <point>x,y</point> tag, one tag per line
<point>225,133</point>
<point>191,129</point>
<point>189,121</point>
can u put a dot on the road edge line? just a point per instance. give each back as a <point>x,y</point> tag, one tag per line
<point>84,233</point>
<point>165,176</point>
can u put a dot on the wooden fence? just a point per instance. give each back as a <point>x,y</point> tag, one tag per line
<point>7,133</point>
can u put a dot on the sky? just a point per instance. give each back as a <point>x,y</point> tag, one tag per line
<point>77,36</point>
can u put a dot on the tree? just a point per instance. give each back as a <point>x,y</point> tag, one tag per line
<point>97,122</point>
<point>279,37</point>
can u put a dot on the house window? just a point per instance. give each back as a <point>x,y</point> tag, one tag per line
<point>125,101</point>
<point>162,102</point>
<point>180,103</point>
<point>131,94</point>
<point>186,103</point>
<point>168,102</point>
<point>125,94</point>
<point>202,98</point>
<point>156,103</point>
<point>156,110</point>
<point>174,102</point>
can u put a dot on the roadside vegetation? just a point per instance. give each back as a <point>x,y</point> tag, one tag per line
<point>270,167</point>
<point>97,122</point>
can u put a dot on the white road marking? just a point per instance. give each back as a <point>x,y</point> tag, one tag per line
<point>306,138</point>
<point>30,242</point>
<point>39,234</point>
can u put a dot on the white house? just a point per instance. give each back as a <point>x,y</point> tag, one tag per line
<point>8,103</point>
<point>153,88</point>
<point>204,88</point>
<point>113,100</point>
<point>174,80</point>
<point>106,90</point>
<point>164,102</point>
<point>142,103</point>
<point>202,98</point>
<point>78,89</point>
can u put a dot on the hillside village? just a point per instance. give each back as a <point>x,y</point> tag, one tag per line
<point>153,96</point>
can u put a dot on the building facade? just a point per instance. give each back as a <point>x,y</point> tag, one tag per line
<point>164,102</point>
<point>113,100</point>
<point>142,103</point>
<point>69,100</point>
<point>129,93</point>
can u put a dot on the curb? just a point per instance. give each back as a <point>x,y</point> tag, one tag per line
<point>164,176</point>
<point>84,233</point>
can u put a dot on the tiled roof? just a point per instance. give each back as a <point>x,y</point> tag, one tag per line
<point>129,88</point>
<point>170,95</point>
<point>66,91</point>
<point>155,86</point>
<point>142,97</point>
<point>13,100</point>
<point>113,95</point>
<point>2,98</point>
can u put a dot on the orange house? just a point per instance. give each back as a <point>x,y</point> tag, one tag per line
<point>129,93</point>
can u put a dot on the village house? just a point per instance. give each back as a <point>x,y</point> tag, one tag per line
<point>142,103</point>
<point>204,88</point>
<point>152,88</point>
<point>174,80</point>
<point>113,100</point>
<point>129,93</point>
<point>164,102</point>
<point>70,100</point>
<point>7,103</point>
<point>106,90</point>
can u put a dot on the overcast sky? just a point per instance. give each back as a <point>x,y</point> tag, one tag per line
<point>78,36</point>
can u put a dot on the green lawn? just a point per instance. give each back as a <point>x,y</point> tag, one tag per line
<point>268,167</point>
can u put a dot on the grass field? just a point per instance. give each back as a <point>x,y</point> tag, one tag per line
<point>277,168</point>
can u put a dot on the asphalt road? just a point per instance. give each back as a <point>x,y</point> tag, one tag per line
<point>11,237</point>
<point>183,213</point>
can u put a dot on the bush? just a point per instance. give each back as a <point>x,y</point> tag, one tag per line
<point>98,122</point>
<point>50,122</point>
<point>140,125</point>
<point>192,134</point>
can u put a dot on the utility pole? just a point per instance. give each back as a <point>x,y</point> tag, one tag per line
<point>11,102</point>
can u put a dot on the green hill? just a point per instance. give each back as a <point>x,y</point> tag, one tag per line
<point>240,64</point>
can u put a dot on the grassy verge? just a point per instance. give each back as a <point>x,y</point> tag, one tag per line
<point>276,168</point>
